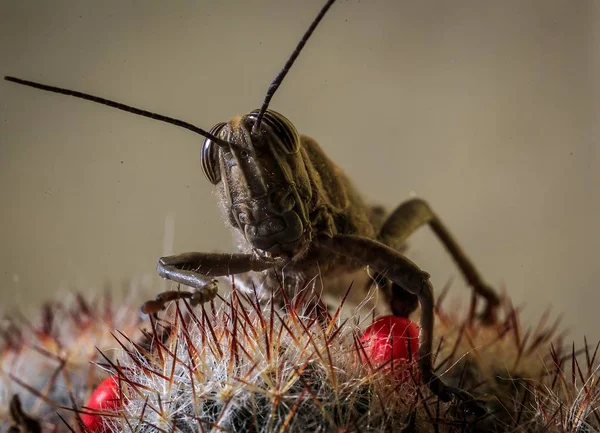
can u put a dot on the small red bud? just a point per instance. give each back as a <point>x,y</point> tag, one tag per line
<point>104,398</point>
<point>392,338</point>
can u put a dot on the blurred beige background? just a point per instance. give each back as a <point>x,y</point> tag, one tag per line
<point>489,110</point>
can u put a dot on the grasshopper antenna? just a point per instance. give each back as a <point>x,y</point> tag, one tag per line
<point>120,106</point>
<point>288,65</point>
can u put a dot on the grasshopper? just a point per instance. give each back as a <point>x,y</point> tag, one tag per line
<point>297,215</point>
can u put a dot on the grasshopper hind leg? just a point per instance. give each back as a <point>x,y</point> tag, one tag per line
<point>413,214</point>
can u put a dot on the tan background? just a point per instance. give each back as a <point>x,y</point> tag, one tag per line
<point>487,109</point>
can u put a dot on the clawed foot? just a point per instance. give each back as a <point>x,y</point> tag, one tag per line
<point>489,316</point>
<point>206,293</point>
<point>467,404</point>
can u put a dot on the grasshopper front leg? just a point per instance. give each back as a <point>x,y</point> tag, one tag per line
<point>406,274</point>
<point>411,215</point>
<point>197,270</point>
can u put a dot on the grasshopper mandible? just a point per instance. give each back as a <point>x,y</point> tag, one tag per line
<point>297,213</point>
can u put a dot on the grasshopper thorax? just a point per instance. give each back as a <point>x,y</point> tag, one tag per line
<point>264,185</point>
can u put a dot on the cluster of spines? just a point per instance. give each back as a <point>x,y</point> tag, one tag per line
<point>242,365</point>
<point>46,364</point>
<point>531,381</point>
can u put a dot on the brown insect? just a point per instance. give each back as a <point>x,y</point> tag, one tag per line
<point>299,216</point>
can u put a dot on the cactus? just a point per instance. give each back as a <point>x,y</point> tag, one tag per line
<point>48,362</point>
<point>240,365</point>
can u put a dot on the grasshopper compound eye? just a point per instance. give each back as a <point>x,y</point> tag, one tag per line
<point>209,156</point>
<point>275,130</point>
<point>280,129</point>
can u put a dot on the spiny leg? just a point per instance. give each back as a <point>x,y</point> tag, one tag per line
<point>406,274</point>
<point>197,270</point>
<point>411,215</point>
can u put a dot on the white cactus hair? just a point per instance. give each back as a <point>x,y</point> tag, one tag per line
<point>47,361</point>
<point>240,365</point>
<point>245,367</point>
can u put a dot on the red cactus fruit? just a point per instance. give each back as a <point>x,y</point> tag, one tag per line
<point>395,340</point>
<point>104,398</point>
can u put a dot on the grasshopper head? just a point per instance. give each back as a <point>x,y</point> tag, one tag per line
<point>263,182</point>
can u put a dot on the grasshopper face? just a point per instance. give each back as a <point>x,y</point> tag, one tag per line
<point>263,181</point>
